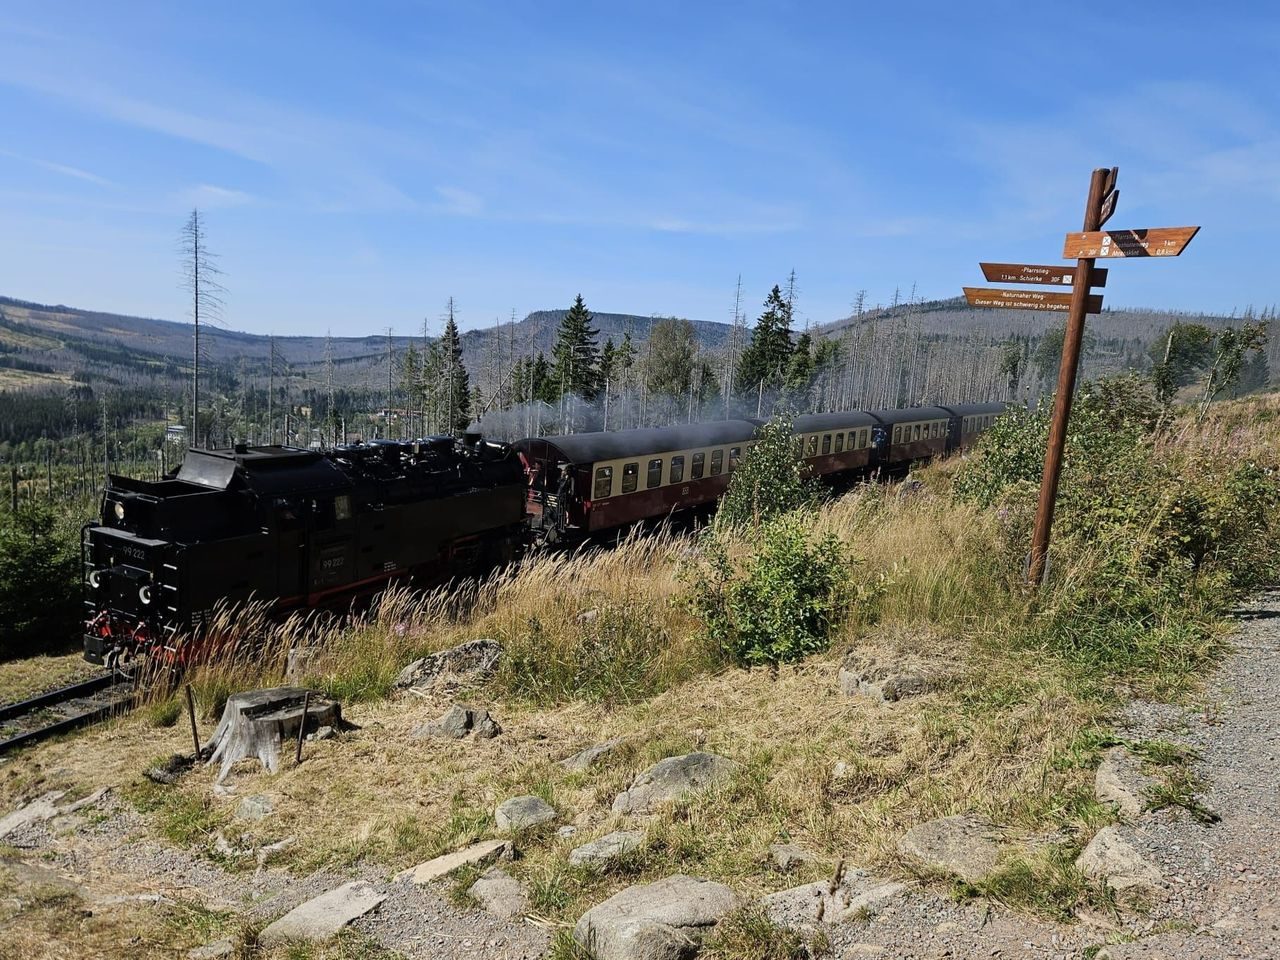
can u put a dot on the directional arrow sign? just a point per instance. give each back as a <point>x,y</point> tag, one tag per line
<point>1039,273</point>
<point>1108,207</point>
<point>1154,242</point>
<point>1027,299</point>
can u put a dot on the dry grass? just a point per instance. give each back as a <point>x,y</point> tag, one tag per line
<point>22,679</point>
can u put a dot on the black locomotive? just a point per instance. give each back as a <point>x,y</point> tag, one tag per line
<point>294,528</point>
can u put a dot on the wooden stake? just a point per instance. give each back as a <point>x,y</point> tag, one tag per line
<point>191,713</point>
<point>1071,342</point>
<point>302,726</point>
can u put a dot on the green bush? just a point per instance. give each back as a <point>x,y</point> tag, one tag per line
<point>39,582</point>
<point>783,602</point>
<point>768,482</point>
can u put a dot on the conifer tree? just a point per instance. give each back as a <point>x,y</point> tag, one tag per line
<point>767,358</point>
<point>456,392</point>
<point>576,356</point>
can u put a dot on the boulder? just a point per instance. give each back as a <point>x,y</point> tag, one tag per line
<point>965,846</point>
<point>457,722</point>
<point>255,807</point>
<point>522,813</point>
<point>671,779</point>
<point>1120,780</point>
<point>584,760</point>
<point>501,894</point>
<point>787,856</point>
<point>887,679</point>
<point>1112,858</point>
<point>477,855</point>
<point>45,807</point>
<point>468,663</point>
<point>598,854</point>
<point>321,918</point>
<point>213,951</point>
<point>856,897</point>
<point>256,723</point>
<point>666,920</point>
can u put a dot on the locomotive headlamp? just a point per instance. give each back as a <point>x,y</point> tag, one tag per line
<point>95,579</point>
<point>119,510</point>
<point>144,593</point>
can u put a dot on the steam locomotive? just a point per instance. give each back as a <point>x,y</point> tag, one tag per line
<point>301,529</point>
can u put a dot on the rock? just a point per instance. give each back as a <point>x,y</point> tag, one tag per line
<point>666,920</point>
<point>856,897</point>
<point>501,894</point>
<point>584,760</point>
<point>468,663</point>
<point>45,807</point>
<point>457,722</point>
<point>171,770</point>
<point>671,779</point>
<point>212,951</point>
<point>255,807</point>
<point>1120,780</point>
<point>787,856</point>
<point>324,733</point>
<point>476,855</point>
<point>320,919</point>
<point>299,661</point>
<point>1111,857</point>
<point>568,830</point>
<point>256,723</point>
<point>600,853</point>
<point>522,813</point>
<point>885,678</point>
<point>966,846</point>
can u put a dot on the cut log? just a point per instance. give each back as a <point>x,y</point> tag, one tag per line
<point>256,723</point>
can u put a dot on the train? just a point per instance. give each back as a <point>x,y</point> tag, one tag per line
<point>301,529</point>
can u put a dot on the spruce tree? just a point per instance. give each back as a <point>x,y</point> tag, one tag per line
<point>456,391</point>
<point>767,359</point>
<point>576,357</point>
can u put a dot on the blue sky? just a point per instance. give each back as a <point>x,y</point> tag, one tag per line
<point>358,164</point>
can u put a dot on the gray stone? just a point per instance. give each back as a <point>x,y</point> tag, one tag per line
<point>320,919</point>
<point>468,663</point>
<point>600,853</point>
<point>255,807</point>
<point>501,894</point>
<point>887,678</point>
<point>45,807</point>
<point>457,722</point>
<point>477,855</point>
<point>324,733</point>
<point>787,856</point>
<point>1120,780</point>
<point>568,830</point>
<point>1112,857</point>
<point>584,760</point>
<point>666,920</point>
<point>521,813</point>
<point>857,897</point>
<point>966,846</point>
<point>299,661</point>
<point>212,951</point>
<point>671,779</point>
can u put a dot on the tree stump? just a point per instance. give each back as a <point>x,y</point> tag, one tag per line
<point>257,723</point>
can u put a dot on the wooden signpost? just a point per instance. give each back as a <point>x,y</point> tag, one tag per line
<point>1091,244</point>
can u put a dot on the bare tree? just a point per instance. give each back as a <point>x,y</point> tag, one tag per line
<point>200,279</point>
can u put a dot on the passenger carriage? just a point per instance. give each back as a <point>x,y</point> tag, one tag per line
<point>969,421</point>
<point>914,433</point>
<point>831,443</point>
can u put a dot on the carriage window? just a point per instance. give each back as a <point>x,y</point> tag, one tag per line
<point>799,446</point>
<point>826,443</point>
<point>735,454</point>
<point>696,467</point>
<point>915,432</point>
<point>677,469</point>
<point>630,477</point>
<point>811,446</point>
<point>839,442</point>
<point>896,432</point>
<point>604,483</point>
<point>933,431</point>
<point>654,477</point>
<point>717,462</point>
<point>342,507</point>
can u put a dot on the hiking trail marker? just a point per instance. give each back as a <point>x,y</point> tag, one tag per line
<point>1090,244</point>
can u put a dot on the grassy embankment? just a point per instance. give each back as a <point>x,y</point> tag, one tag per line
<point>1157,536</point>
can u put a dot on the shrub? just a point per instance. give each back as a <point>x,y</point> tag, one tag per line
<point>39,581</point>
<point>769,480</point>
<point>783,602</point>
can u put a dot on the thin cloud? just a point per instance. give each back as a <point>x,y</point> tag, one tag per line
<point>64,169</point>
<point>207,195</point>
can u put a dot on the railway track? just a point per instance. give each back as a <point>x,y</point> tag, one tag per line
<point>66,708</point>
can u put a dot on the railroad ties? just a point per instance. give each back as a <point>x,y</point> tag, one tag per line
<point>67,708</point>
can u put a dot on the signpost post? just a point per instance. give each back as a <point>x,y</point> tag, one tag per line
<point>1091,244</point>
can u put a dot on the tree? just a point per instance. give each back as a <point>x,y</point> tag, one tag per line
<point>673,344</point>
<point>800,369</point>
<point>1178,356</point>
<point>1233,348</point>
<point>39,580</point>
<point>767,358</point>
<point>200,277</point>
<point>456,391</point>
<point>576,358</point>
